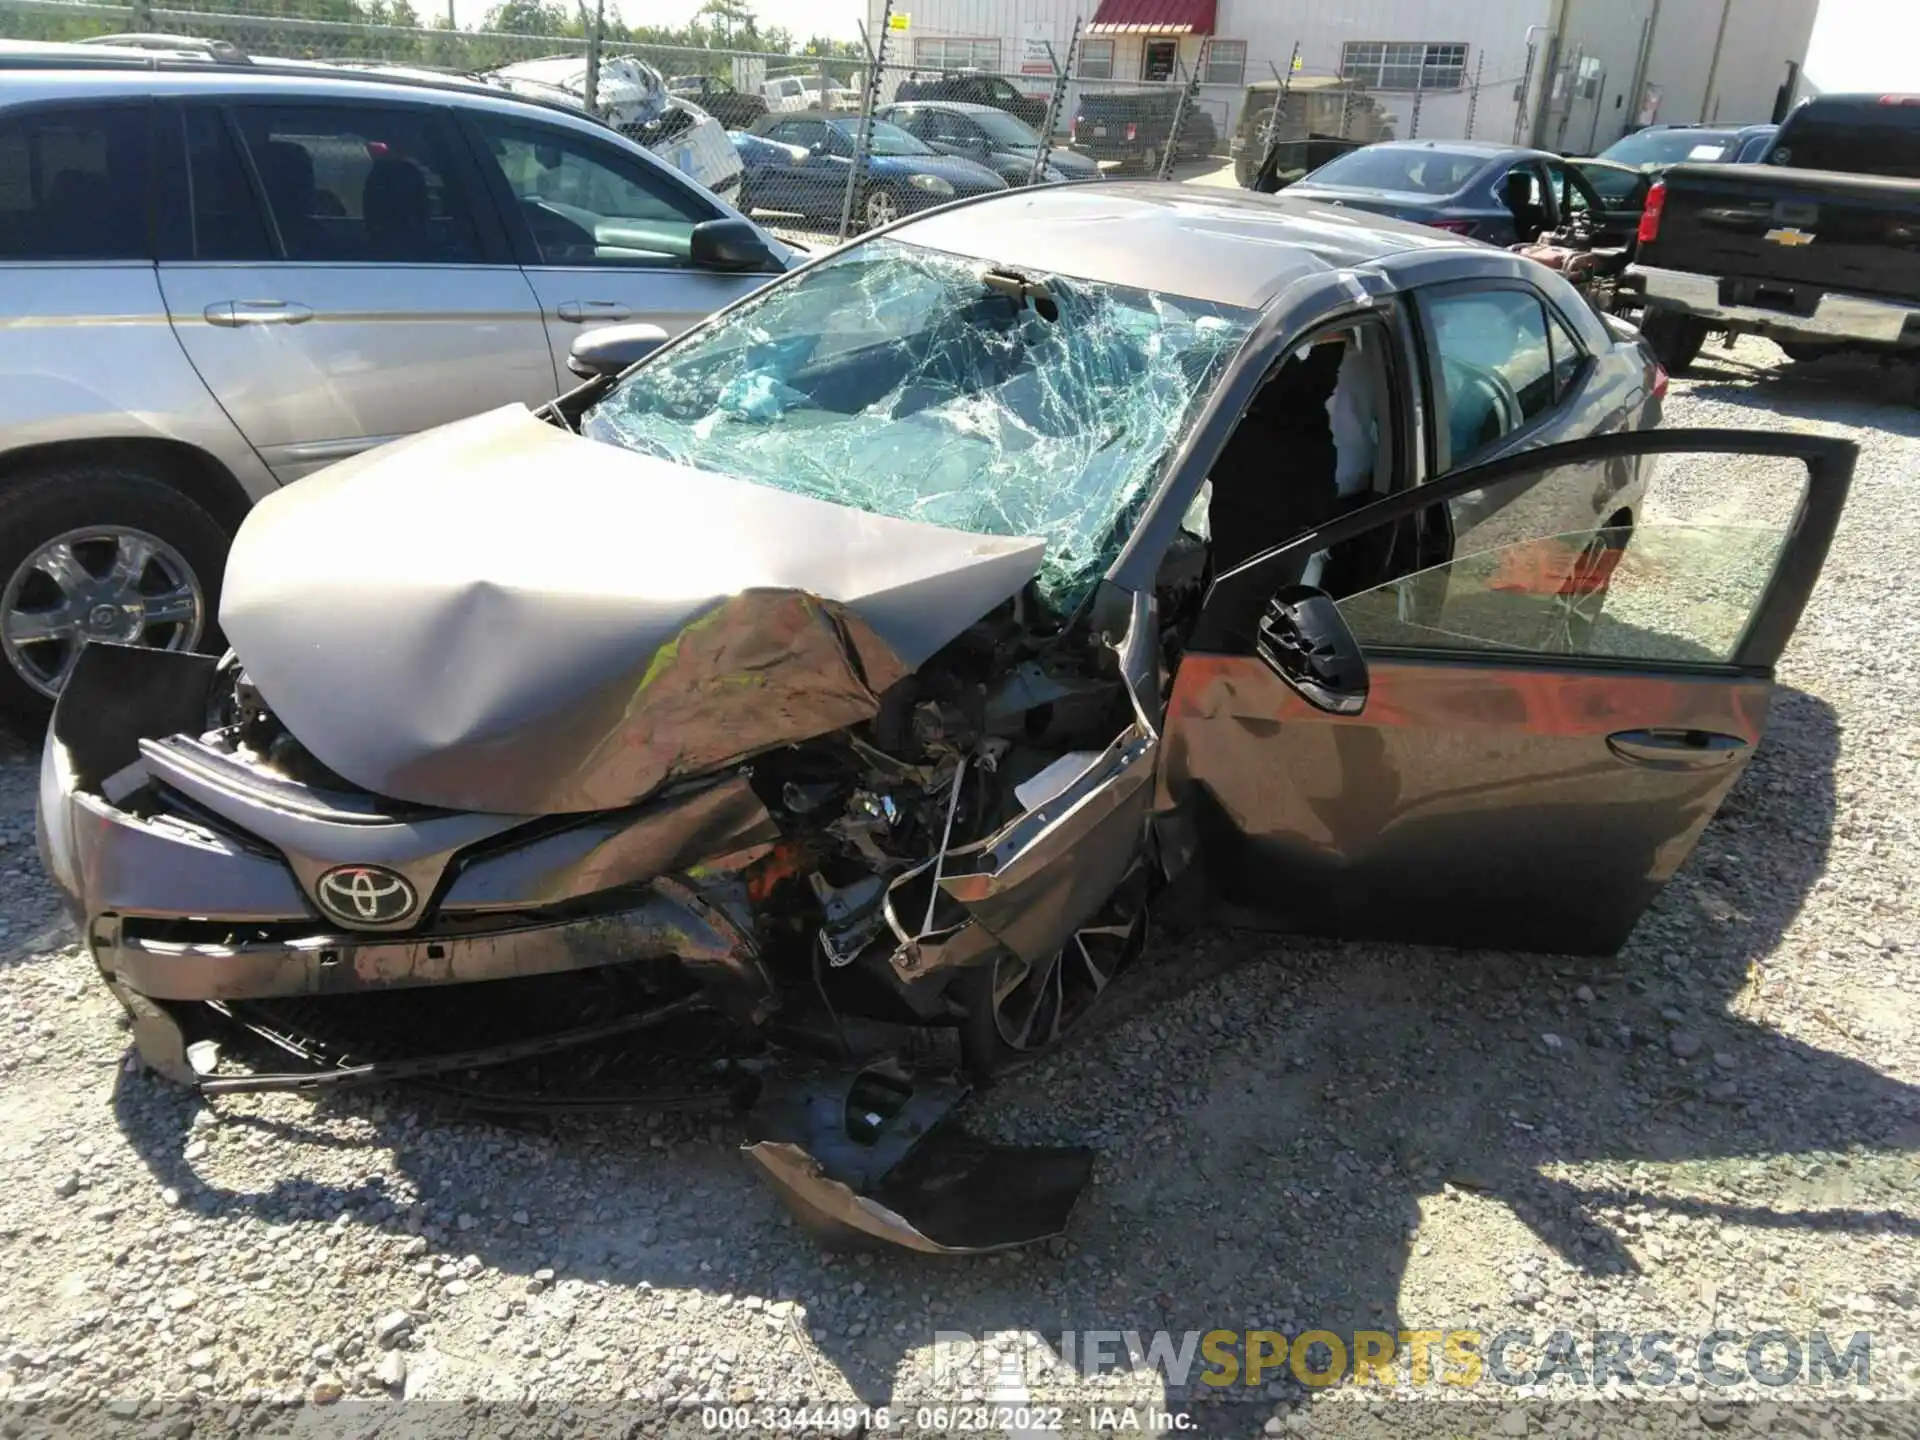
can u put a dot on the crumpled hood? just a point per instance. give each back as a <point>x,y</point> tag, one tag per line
<point>499,615</point>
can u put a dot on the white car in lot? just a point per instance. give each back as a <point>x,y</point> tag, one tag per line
<point>633,97</point>
<point>806,92</point>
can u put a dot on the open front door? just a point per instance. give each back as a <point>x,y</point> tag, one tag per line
<point>1539,728</point>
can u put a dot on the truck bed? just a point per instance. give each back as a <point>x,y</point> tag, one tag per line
<point>1807,231</point>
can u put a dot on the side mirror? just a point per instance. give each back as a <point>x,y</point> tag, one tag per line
<point>1306,642</point>
<point>610,349</point>
<point>730,245</point>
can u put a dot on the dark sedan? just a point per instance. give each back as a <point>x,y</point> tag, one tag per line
<point>798,164</point>
<point>973,88</point>
<point>733,108</point>
<point>1499,193</point>
<point>1659,146</point>
<point>1001,142</point>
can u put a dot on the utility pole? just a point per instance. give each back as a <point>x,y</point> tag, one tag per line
<point>1056,98</point>
<point>1473,95</point>
<point>1550,55</point>
<point>1713,66</point>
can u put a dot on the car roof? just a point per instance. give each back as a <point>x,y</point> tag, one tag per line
<point>1231,247</point>
<point>151,74</point>
<point>836,118</point>
<point>1713,127</point>
<point>958,107</point>
<point>1489,149</point>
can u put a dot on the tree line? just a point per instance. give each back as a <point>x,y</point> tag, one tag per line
<point>719,25</point>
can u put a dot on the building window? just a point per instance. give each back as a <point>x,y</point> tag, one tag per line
<point>1394,65</point>
<point>943,52</point>
<point>1226,63</point>
<point>1096,59</point>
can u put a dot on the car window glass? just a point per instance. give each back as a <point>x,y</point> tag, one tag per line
<point>359,184</point>
<point>1615,186</point>
<point>1665,562</point>
<point>1389,167</point>
<point>1573,200</point>
<point>1853,139</point>
<point>1568,358</point>
<point>1495,365</point>
<point>227,220</point>
<point>889,378</point>
<point>73,184</point>
<point>587,203</point>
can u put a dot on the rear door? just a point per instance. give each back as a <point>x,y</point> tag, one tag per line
<point>604,233</point>
<point>329,274</point>
<point>1551,716</point>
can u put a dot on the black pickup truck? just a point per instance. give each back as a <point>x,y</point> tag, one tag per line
<point>1817,247</point>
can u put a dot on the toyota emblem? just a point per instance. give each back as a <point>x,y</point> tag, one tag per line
<point>366,895</point>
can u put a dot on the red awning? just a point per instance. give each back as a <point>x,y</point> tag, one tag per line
<point>1139,17</point>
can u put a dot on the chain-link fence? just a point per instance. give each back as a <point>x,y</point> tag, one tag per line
<point>833,138</point>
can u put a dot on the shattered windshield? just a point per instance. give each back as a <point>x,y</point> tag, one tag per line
<point>925,386</point>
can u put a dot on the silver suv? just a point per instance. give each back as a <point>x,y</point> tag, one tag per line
<point>217,278</point>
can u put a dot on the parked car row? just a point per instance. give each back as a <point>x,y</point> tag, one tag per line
<point>919,154</point>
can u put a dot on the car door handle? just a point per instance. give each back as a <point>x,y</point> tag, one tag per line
<point>1677,749</point>
<point>581,311</point>
<point>231,313</point>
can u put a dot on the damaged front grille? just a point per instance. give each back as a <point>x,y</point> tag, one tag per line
<point>593,1039</point>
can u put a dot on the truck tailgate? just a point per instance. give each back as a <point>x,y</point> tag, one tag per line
<point>1854,234</point>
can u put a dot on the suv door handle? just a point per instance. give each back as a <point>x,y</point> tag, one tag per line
<point>1677,749</point>
<point>232,313</point>
<point>581,311</point>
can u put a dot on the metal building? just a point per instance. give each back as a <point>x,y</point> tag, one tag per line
<point>1565,74</point>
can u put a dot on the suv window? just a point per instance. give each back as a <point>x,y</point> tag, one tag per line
<point>590,204</point>
<point>359,183</point>
<point>1496,366</point>
<point>227,222</point>
<point>1853,138</point>
<point>73,183</point>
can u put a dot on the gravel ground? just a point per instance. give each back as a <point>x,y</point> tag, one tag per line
<point>1714,1130</point>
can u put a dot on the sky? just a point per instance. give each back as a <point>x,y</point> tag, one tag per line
<point>1865,45</point>
<point>838,18</point>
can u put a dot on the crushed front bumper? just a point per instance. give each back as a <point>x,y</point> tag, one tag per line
<point>193,880</point>
<point>194,876</point>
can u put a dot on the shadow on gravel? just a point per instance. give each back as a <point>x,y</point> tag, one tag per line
<point>1269,1170</point>
<point>1811,389</point>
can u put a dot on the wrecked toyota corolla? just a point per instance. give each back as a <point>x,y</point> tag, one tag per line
<point>845,679</point>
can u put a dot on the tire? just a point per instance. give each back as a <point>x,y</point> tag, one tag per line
<point>103,515</point>
<point>880,208</point>
<point>1676,339</point>
<point>1054,997</point>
